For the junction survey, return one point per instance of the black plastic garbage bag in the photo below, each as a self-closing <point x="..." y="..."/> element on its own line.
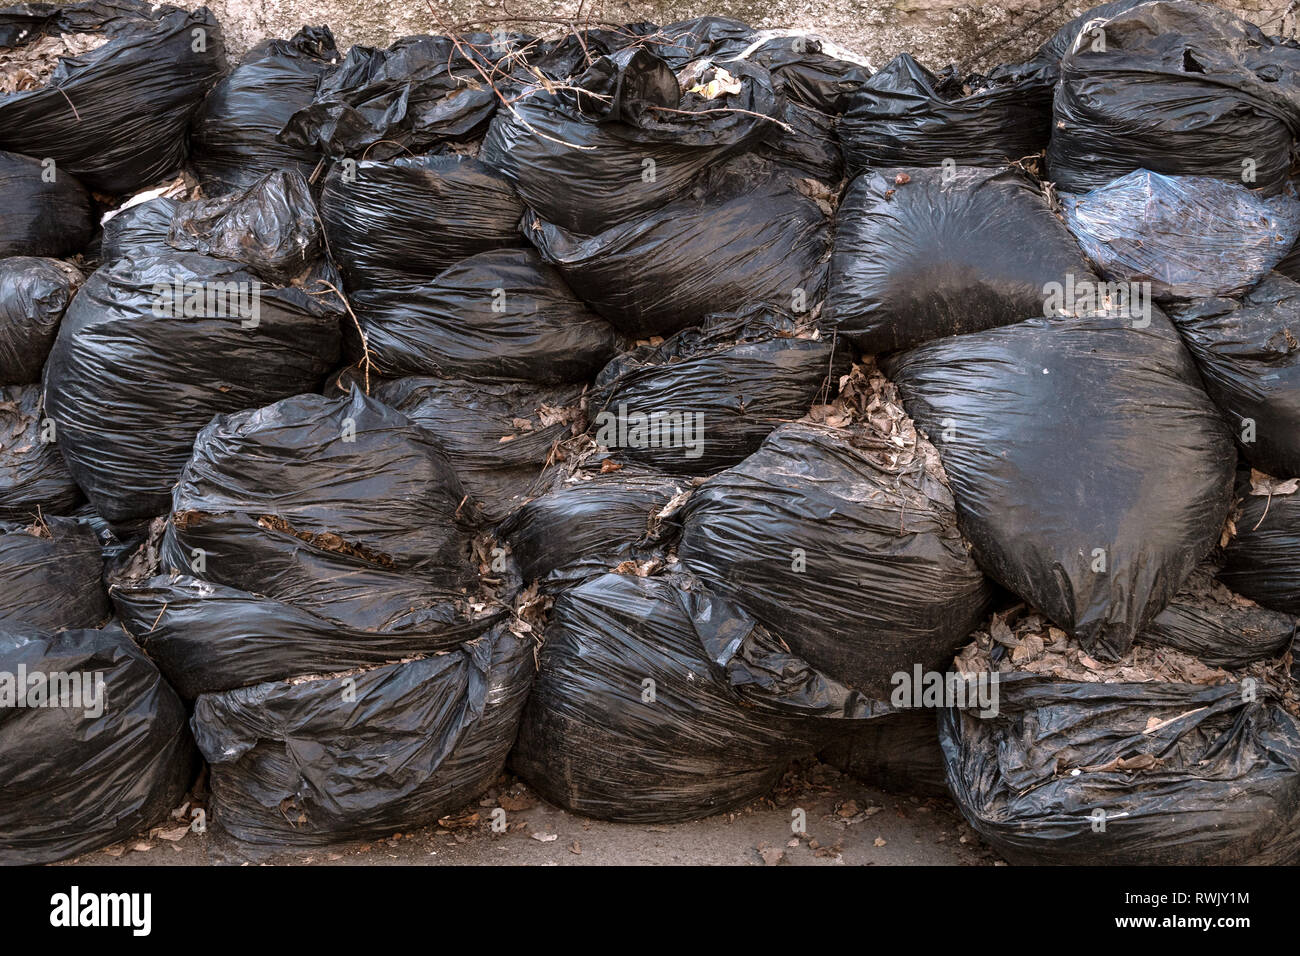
<point x="1128" y="774"/>
<point x="116" y="117"/>
<point x="504" y="314"/>
<point x="33" y="295"/>
<point x="1081" y="30"/>
<point x="410" y="219"/>
<point x="925" y="253"/>
<point x="34" y="479"/>
<point x="1180" y="88"/>
<point x="1262" y="561"/>
<point x="589" y="524"/>
<point x="645" y="712"/>
<point x="321" y="760"/>
<point x="51" y="575"/>
<point x="1223" y="629"/>
<point x="1248" y="351"/>
<point x="588" y="165"/>
<point x="420" y="92"/>
<point x="233" y="137"/>
<point x="747" y="237"/>
<point x="907" y="115"/>
<point x="356" y="558"/>
<point x="809" y="70"/>
<point x="1091" y="472"/>
<point x="130" y="381"/>
<point x="498" y="436"/>
<point x="897" y="752"/>
<point x="1187" y="236"/>
<point x="270" y="226"/>
<point x="46" y="210"/>
<point x="117" y="760"/>
<point x="808" y="145"/>
<point x="139" y="231"/>
<point x="708" y="396"/>
<point x="852" y="557"/>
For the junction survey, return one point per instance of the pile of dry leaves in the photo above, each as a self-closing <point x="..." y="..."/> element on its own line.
<point x="30" y="66"/>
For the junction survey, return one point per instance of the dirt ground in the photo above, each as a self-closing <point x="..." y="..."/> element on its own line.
<point x="847" y="823"/>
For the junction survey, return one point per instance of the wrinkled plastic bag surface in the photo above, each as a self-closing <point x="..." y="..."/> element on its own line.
<point x="33" y="294"/>
<point x="51" y="575"/>
<point x="41" y="217"/>
<point x="34" y="479"/>
<point x="1262" y="561"/>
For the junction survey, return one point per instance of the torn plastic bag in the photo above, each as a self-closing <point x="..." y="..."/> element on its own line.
<point x="412" y="218"/>
<point x="114" y="762"/>
<point x="808" y="69"/>
<point x="271" y="226"/>
<point x="33" y="295"/>
<point x="648" y="710"/>
<point x="42" y="216"/>
<point x="851" y="556"/>
<point x="152" y="348"/>
<point x="139" y="231"/>
<point x="320" y="760"/>
<point x="1100" y="539"/>
<point x="1180" y="88"/>
<point x="498" y="437"/>
<point x="115" y="117"/>
<point x="233" y="137"/>
<point x="1262" y="560"/>
<point x="420" y="92"/>
<point x="589" y="524"/>
<point x="504" y="314"/>
<point x="51" y="575"/>
<point x="628" y="140"/>
<point x="34" y="479"/>
<point x="897" y="752"/>
<point x="708" y="396"/>
<point x="1127" y="773"/>
<point x="747" y="237"/>
<point x="1223" y="629"/>
<point x="1188" y="236"/>
<point x="905" y="115"/>
<point x="1248" y="351"/>
<point x="926" y="253"/>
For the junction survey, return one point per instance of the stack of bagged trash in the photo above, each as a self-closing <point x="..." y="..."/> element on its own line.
<point x="644" y="409"/>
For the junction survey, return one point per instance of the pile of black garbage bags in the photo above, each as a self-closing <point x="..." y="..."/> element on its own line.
<point x="642" y="410"/>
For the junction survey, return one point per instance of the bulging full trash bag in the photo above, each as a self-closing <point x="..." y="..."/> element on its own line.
<point x="504" y="314"/>
<point x="809" y="70"/>
<point x="589" y="523"/>
<point x="628" y="138"/>
<point x="1180" y="88"/>
<point x="326" y="758"/>
<point x="1262" y="560"/>
<point x="270" y="226"/>
<point x="1248" y="351"/>
<point x="94" y="750"/>
<point x="309" y="536"/>
<point x="150" y="349"/>
<point x="659" y="702"/>
<point x="1157" y="759"/>
<point x="498" y="436"/>
<point x="708" y="396"/>
<point x="1220" y="628"/>
<point x="846" y="545"/>
<point x="139" y="230"/>
<point x="925" y="253"/>
<point x="51" y="575"/>
<point x="906" y="115"/>
<point x="1186" y="236"/>
<point x="33" y="295"/>
<point x="34" y="479"/>
<point x="1099" y="537"/>
<point x="116" y="115"/>
<point x="419" y="93"/>
<point x="46" y="210"/>
<point x="233" y="136"/>
<point x="747" y="237"/>
<point x="411" y="218"/>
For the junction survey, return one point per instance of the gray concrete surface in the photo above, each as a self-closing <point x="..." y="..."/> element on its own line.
<point x="848" y="823"/>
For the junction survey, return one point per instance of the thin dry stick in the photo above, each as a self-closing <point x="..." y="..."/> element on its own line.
<point x="74" y="109"/>
<point x="723" y="109"/>
<point x="365" y="343"/>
